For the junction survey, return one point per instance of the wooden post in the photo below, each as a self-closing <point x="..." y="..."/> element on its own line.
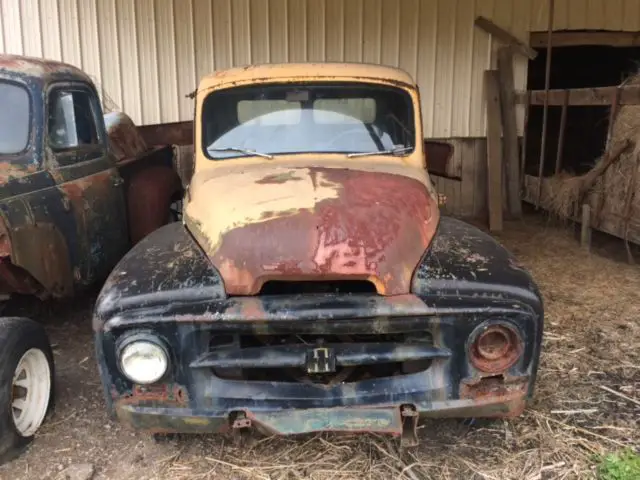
<point x="523" y="154"/>
<point x="510" y="132"/>
<point x="585" y="230"/>
<point x="545" y="113"/>
<point x="494" y="150"/>
<point x="563" y="127"/>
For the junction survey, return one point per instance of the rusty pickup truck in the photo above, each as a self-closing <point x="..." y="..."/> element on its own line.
<point x="313" y="284"/>
<point x="77" y="189"/>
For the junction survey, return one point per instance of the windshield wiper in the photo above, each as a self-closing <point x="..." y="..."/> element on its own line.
<point x="241" y="150"/>
<point x="392" y="151"/>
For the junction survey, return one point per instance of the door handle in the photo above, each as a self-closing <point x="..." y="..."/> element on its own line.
<point x="117" y="181"/>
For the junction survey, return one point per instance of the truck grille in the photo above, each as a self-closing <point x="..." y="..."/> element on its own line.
<point x="281" y="358"/>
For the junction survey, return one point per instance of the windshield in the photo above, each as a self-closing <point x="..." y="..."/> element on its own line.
<point x="307" y="118"/>
<point x="14" y="118"/>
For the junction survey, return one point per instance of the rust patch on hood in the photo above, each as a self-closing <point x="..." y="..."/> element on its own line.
<point x="266" y="222"/>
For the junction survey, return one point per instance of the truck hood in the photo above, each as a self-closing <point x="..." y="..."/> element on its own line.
<point x="264" y="222"/>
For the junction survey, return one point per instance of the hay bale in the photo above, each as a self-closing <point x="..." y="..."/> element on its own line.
<point x="613" y="174"/>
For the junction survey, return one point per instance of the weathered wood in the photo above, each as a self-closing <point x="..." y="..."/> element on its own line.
<point x="523" y="155"/>
<point x="494" y="150"/>
<point x="506" y="37"/>
<point x="480" y="197"/>
<point x="561" y="132"/>
<point x="509" y="131"/>
<point x="467" y="156"/>
<point x="545" y="114"/>
<point x="574" y="39"/>
<point x="585" y="229"/>
<point x="596" y="97"/>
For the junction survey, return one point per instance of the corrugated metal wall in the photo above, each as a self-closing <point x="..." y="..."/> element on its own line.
<point x="148" y="54"/>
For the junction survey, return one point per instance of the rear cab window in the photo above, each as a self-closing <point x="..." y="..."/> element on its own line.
<point x="15" y="118"/>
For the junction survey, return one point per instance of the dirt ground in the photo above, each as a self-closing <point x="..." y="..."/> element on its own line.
<point x="589" y="377"/>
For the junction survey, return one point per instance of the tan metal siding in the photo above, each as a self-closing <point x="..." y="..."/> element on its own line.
<point x="146" y="55"/>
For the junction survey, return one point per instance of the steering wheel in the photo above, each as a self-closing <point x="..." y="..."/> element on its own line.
<point x="352" y="131"/>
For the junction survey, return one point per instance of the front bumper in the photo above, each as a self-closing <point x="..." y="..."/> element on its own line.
<point x="194" y="399"/>
<point x="397" y="420"/>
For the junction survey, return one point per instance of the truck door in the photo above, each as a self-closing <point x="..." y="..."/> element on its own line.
<point x="87" y="177"/>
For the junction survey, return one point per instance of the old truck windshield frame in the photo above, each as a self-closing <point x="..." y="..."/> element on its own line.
<point x="15" y="118"/>
<point x="307" y="117"/>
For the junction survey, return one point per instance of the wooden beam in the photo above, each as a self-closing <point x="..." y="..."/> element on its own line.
<point x="561" y="132"/>
<point x="494" y="150"/>
<point x="505" y="37"/>
<point x="523" y="154"/>
<point x="574" y="39"/>
<point x="510" y="133"/>
<point x="600" y="96"/>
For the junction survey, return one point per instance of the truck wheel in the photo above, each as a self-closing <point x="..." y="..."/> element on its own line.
<point x="26" y="383"/>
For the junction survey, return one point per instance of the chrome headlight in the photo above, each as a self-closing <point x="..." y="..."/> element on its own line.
<point x="143" y="360"/>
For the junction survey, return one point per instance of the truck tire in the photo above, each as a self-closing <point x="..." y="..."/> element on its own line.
<point x="26" y="383"/>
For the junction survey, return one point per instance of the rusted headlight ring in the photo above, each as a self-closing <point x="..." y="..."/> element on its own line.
<point x="495" y="346"/>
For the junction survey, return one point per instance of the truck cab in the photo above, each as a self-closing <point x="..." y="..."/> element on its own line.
<point x="70" y="208"/>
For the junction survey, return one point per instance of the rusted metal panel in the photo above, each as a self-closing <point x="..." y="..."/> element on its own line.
<point x="149" y="195"/>
<point x="331" y="223"/>
<point x="439" y="156"/>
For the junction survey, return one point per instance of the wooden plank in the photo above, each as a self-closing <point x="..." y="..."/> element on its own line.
<point x="505" y="37"/>
<point x="561" y="132"/>
<point x="494" y="150"/>
<point x="599" y="96"/>
<point x="523" y="155"/>
<point x="480" y="175"/>
<point x="467" y="157"/>
<point x="510" y="133"/>
<point x="575" y="39"/>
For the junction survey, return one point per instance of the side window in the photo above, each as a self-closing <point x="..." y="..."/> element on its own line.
<point x="72" y="121"/>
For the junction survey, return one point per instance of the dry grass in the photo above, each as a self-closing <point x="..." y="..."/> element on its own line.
<point x="592" y="340"/>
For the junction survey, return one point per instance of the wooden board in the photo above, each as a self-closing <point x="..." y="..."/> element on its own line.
<point x="480" y="179"/>
<point x="600" y="96"/>
<point x="494" y="150"/>
<point x="511" y="154"/>
<point x="576" y="39"/>
<point x="506" y="37"/>
<point x="468" y="161"/>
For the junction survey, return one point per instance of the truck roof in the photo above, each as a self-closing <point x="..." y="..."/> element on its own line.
<point x="270" y="73"/>
<point x="19" y="66"/>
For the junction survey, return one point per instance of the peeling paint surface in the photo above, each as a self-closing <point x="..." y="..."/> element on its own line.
<point x="314" y="222"/>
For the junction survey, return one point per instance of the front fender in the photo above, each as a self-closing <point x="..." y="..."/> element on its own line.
<point x="165" y="267"/>
<point x="465" y="263"/>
